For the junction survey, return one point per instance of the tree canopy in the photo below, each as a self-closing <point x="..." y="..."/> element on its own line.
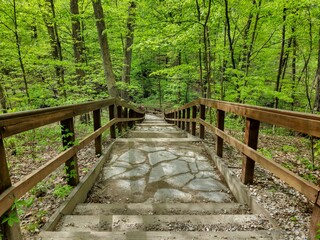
<point x="162" y="52"/>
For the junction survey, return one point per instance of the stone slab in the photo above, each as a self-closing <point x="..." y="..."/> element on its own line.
<point x="170" y="194"/>
<point x="165" y="170"/>
<point x="160" y="156"/>
<point x="206" y="184"/>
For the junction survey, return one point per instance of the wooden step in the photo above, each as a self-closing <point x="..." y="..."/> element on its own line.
<point x="124" y="223"/>
<point x="168" y="235"/>
<point x="160" y="208"/>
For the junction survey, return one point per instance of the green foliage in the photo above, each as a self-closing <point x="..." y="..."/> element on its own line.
<point x="318" y="232"/>
<point x="288" y="165"/>
<point x="310" y="177"/>
<point x="16" y="210"/>
<point x="62" y="191"/>
<point x="289" y="149"/>
<point x="266" y="152"/>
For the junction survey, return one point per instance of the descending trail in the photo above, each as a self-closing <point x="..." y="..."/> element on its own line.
<point x="160" y="183"/>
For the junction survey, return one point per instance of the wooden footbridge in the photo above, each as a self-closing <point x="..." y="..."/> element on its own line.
<point x="160" y="180"/>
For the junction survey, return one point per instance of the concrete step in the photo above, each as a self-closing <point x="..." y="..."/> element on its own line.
<point x="160" y="208"/>
<point x="158" y="140"/>
<point x="168" y="235"/>
<point x="146" y="124"/>
<point x="155" y="134"/>
<point x="124" y="223"/>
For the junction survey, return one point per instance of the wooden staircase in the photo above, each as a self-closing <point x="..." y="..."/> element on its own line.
<point x="143" y="215"/>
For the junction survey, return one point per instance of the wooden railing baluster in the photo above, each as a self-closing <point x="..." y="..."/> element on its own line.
<point x="68" y="140"/>
<point x="179" y="119"/>
<point x="10" y="232"/>
<point x="251" y="139"/>
<point x="97" y="125"/>
<point x="203" y="117"/>
<point x="220" y="125"/>
<point x="131" y="115"/>
<point x="194" y="124"/>
<point x="119" y="115"/>
<point x="183" y="126"/>
<point x="188" y="123"/>
<point x="111" y="116"/>
<point x="125" y="115"/>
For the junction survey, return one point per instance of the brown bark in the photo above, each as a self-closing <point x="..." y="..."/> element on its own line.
<point x="281" y="58"/>
<point x="317" y="101"/>
<point x="77" y="40"/>
<point x="127" y="59"/>
<point x="18" y="43"/>
<point x="206" y="89"/>
<point x="104" y="48"/>
<point x="56" y="51"/>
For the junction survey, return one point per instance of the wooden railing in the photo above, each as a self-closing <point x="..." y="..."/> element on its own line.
<point x="11" y="124"/>
<point x="300" y="122"/>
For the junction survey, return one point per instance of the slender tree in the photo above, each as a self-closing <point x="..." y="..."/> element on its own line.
<point x="127" y="58"/>
<point x="104" y="48"/>
<point x="77" y="40"/>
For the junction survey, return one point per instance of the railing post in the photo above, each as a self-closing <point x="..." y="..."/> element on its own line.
<point x="68" y="140"/>
<point x="96" y="126"/>
<point x="251" y="139"/>
<point x="194" y="124"/>
<point x="179" y="118"/>
<point x="9" y="232"/>
<point x="176" y="116"/>
<point x="131" y="115"/>
<point x="111" y="116"/>
<point x="220" y="125"/>
<point x="183" y="118"/>
<point x="125" y="115"/>
<point x="203" y="117"/>
<point x="188" y="117"/>
<point x="119" y="115"/>
<point x="315" y="220"/>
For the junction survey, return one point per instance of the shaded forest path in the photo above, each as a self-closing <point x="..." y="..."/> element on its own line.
<point x="160" y="182"/>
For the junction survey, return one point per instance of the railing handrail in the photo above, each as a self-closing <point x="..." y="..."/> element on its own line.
<point x="300" y="122"/>
<point x="13" y="123"/>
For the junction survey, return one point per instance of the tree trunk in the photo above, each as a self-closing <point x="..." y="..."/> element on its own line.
<point x="18" y="42"/>
<point x="127" y="60"/>
<point x="207" y="49"/>
<point x="293" y="66"/>
<point x="317" y="101"/>
<point x="281" y="58"/>
<point x="104" y="48"/>
<point x="55" y="43"/>
<point x="3" y="99"/>
<point x="202" y="86"/>
<point x="77" y="40"/>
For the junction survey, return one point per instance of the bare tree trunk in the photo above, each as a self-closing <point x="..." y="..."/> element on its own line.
<point x="317" y="100"/>
<point x="203" y="88"/>
<point x="281" y="58"/>
<point x="18" y="43"/>
<point x="56" y="51"/>
<point x="3" y="99"/>
<point x="77" y="40"/>
<point x="231" y="48"/>
<point x="104" y="48"/>
<point x="127" y="60"/>
<point x="293" y="66"/>
<point x="205" y="85"/>
<point x="207" y="50"/>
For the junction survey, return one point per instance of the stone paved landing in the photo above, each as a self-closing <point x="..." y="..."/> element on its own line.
<point x="153" y="171"/>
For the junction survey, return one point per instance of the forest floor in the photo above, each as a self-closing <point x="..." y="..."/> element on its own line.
<point x="289" y="208"/>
